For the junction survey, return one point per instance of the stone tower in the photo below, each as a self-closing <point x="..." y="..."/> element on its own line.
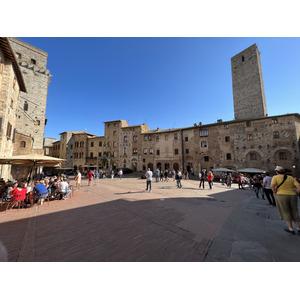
<point x="31" y="116"/>
<point x="248" y="86"/>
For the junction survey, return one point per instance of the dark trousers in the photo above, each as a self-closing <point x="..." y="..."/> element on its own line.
<point x="210" y="184"/>
<point x="270" y="196"/>
<point x="201" y="182"/>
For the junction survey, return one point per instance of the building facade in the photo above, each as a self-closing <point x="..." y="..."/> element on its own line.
<point x="11" y="85"/>
<point x="252" y="139"/>
<point x="31" y="114"/>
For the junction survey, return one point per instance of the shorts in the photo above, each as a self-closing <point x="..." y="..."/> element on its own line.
<point x="287" y="206"/>
<point x="90" y="179"/>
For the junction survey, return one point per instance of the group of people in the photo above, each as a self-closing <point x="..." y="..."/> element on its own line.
<point x="163" y="176"/>
<point x="209" y="176"/>
<point x="15" y="193"/>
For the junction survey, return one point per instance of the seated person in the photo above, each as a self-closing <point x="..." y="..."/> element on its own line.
<point x="18" y="193"/>
<point x="41" y="191"/>
<point x="63" y="189"/>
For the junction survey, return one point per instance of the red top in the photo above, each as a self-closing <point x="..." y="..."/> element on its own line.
<point x="18" y="195"/>
<point x="90" y="175"/>
<point x="209" y="177"/>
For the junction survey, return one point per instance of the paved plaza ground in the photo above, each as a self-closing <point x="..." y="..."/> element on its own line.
<point x="117" y="220"/>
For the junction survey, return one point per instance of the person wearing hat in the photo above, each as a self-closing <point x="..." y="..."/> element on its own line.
<point x="286" y="189"/>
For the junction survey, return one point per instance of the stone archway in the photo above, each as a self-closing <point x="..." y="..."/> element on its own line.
<point x="134" y="165"/>
<point x="176" y="166"/>
<point x="150" y="165"/>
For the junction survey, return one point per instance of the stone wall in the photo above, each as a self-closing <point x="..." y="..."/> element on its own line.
<point x="32" y="107"/>
<point x="9" y="101"/>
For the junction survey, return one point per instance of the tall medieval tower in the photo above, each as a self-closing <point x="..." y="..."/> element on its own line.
<point x="31" y="116"/>
<point x="248" y="86"/>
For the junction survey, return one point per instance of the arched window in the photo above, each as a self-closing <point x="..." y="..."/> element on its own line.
<point x="25" y="106"/>
<point x="23" y="144"/>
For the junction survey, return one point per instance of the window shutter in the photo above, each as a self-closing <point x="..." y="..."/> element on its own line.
<point x="14" y="134"/>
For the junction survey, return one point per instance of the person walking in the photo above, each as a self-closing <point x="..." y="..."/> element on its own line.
<point x="209" y="179"/>
<point x="267" y="189"/>
<point x="149" y="180"/>
<point x="120" y="173"/>
<point x="157" y="172"/>
<point x="229" y="180"/>
<point x="90" y="177"/>
<point x="240" y="181"/>
<point x="97" y="175"/>
<point x="223" y="177"/>
<point x="173" y="174"/>
<point x="166" y="175"/>
<point x="257" y="186"/>
<point x="161" y="176"/>
<point x="178" y="178"/>
<point x="202" y="177"/>
<point x="286" y="188"/>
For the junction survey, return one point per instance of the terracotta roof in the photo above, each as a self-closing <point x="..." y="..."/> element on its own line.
<point x="9" y="53"/>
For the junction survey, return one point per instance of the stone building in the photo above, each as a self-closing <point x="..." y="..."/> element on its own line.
<point x="11" y="85"/>
<point x="112" y="140"/>
<point x="247" y="85"/>
<point x="252" y="139"/>
<point x="48" y="146"/>
<point x="96" y="152"/>
<point x="131" y="146"/>
<point x="31" y="112"/>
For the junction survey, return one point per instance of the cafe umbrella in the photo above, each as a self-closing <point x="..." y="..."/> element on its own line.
<point x="34" y="160"/>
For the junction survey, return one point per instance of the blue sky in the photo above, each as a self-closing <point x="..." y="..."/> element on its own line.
<point x="164" y="82"/>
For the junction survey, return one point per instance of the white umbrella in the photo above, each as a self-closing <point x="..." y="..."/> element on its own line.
<point x="31" y="160"/>
<point x="34" y="160"/>
<point x="251" y="170"/>
<point x="222" y="170"/>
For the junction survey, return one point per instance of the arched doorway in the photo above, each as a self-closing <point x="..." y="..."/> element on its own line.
<point x="158" y="165"/>
<point x="176" y="166"/>
<point x="150" y="165"/>
<point x="134" y="165"/>
<point x="167" y="166"/>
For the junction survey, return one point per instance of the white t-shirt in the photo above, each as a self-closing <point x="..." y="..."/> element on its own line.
<point x="62" y="186"/>
<point x="78" y="177"/>
<point x="149" y="175"/>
